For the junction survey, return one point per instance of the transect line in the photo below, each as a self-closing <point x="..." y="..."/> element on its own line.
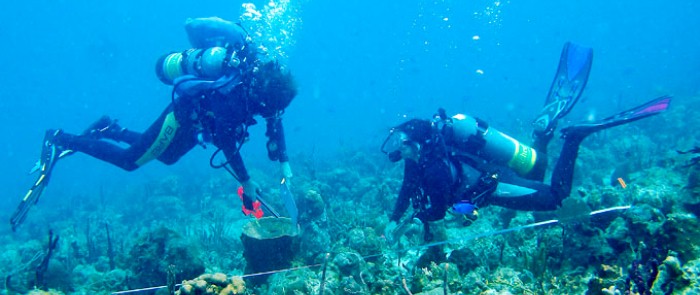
<point x="457" y="240"/>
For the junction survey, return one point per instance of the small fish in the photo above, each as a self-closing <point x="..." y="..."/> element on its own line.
<point x="465" y="208"/>
<point x="622" y="182"/>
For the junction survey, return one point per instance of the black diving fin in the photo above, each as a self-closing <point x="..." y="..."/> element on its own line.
<point x="50" y="154"/>
<point x="569" y="81"/>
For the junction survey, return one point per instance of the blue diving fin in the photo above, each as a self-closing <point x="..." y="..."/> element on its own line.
<point x="653" y="107"/>
<point x="569" y="81"/>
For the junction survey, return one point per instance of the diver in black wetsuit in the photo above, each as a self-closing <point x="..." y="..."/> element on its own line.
<point x="462" y="163"/>
<point x="219" y="86"/>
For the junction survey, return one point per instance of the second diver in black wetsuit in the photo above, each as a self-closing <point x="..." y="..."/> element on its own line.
<point x="462" y="163"/>
<point x="219" y="86"/>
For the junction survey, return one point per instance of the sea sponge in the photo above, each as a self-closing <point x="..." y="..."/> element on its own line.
<point x="212" y="289"/>
<point x="218" y="279"/>
<point x="185" y="289"/>
<point x="213" y="284"/>
<point x="42" y="292"/>
<point x="200" y="284"/>
<point x="238" y="285"/>
<point x="227" y="291"/>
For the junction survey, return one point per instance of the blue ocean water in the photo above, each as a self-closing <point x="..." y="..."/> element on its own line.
<point x="362" y="67"/>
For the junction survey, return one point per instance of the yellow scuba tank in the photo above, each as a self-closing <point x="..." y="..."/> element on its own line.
<point x="474" y="136"/>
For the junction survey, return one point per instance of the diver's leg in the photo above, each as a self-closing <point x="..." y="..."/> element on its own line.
<point x="121" y="157"/>
<point x="105" y="127"/>
<point x="524" y="194"/>
<point x="512" y="191"/>
<point x="91" y="144"/>
<point x="563" y="174"/>
<point x="155" y="141"/>
<point x="540" y="167"/>
<point x="507" y="189"/>
<point x="184" y="140"/>
<point x="128" y="136"/>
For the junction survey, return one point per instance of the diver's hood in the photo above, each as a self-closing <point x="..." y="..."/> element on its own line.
<point x="271" y="88"/>
<point x="416" y="130"/>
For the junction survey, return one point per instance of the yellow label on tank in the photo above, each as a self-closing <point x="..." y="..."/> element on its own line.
<point x="523" y="159"/>
<point x="171" y="66"/>
<point x="165" y="137"/>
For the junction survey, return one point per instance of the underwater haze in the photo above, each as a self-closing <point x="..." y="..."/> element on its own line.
<point x="362" y="67"/>
<point x="69" y="62"/>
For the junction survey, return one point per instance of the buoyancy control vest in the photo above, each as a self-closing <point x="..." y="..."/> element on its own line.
<point x="478" y="155"/>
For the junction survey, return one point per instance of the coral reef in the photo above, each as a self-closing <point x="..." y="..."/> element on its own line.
<point x="154" y="251"/>
<point x="194" y="226"/>
<point x="214" y="284"/>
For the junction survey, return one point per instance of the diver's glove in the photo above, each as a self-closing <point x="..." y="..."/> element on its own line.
<point x="286" y="170"/>
<point x="250" y="191"/>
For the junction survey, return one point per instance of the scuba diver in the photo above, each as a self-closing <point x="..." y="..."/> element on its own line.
<point x="219" y="86"/>
<point x="462" y="163"/>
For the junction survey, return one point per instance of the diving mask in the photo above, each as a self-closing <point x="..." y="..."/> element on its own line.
<point x="396" y="144"/>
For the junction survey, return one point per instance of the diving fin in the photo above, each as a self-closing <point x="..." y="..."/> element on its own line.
<point x="50" y="153"/>
<point x="569" y="81"/>
<point x="653" y="107"/>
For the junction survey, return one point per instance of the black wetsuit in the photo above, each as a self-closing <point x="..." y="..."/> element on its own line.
<point x="223" y="118"/>
<point x="427" y="185"/>
<point x="439" y="179"/>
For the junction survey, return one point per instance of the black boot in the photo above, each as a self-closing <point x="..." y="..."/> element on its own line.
<point x="51" y="150"/>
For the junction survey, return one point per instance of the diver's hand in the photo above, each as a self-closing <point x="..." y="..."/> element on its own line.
<point x="250" y="191"/>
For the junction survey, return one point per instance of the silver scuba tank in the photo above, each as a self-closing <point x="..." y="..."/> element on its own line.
<point x="207" y="63"/>
<point x="474" y="136"/>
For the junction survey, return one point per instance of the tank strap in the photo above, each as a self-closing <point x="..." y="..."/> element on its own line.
<point x="477" y="140"/>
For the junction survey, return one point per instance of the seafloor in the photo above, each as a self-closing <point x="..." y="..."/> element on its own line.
<point x="174" y="231"/>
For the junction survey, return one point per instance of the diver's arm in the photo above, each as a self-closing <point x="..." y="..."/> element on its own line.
<point x="276" y="145"/>
<point x="250" y="188"/>
<point x="410" y="187"/>
<point x="236" y="162"/>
